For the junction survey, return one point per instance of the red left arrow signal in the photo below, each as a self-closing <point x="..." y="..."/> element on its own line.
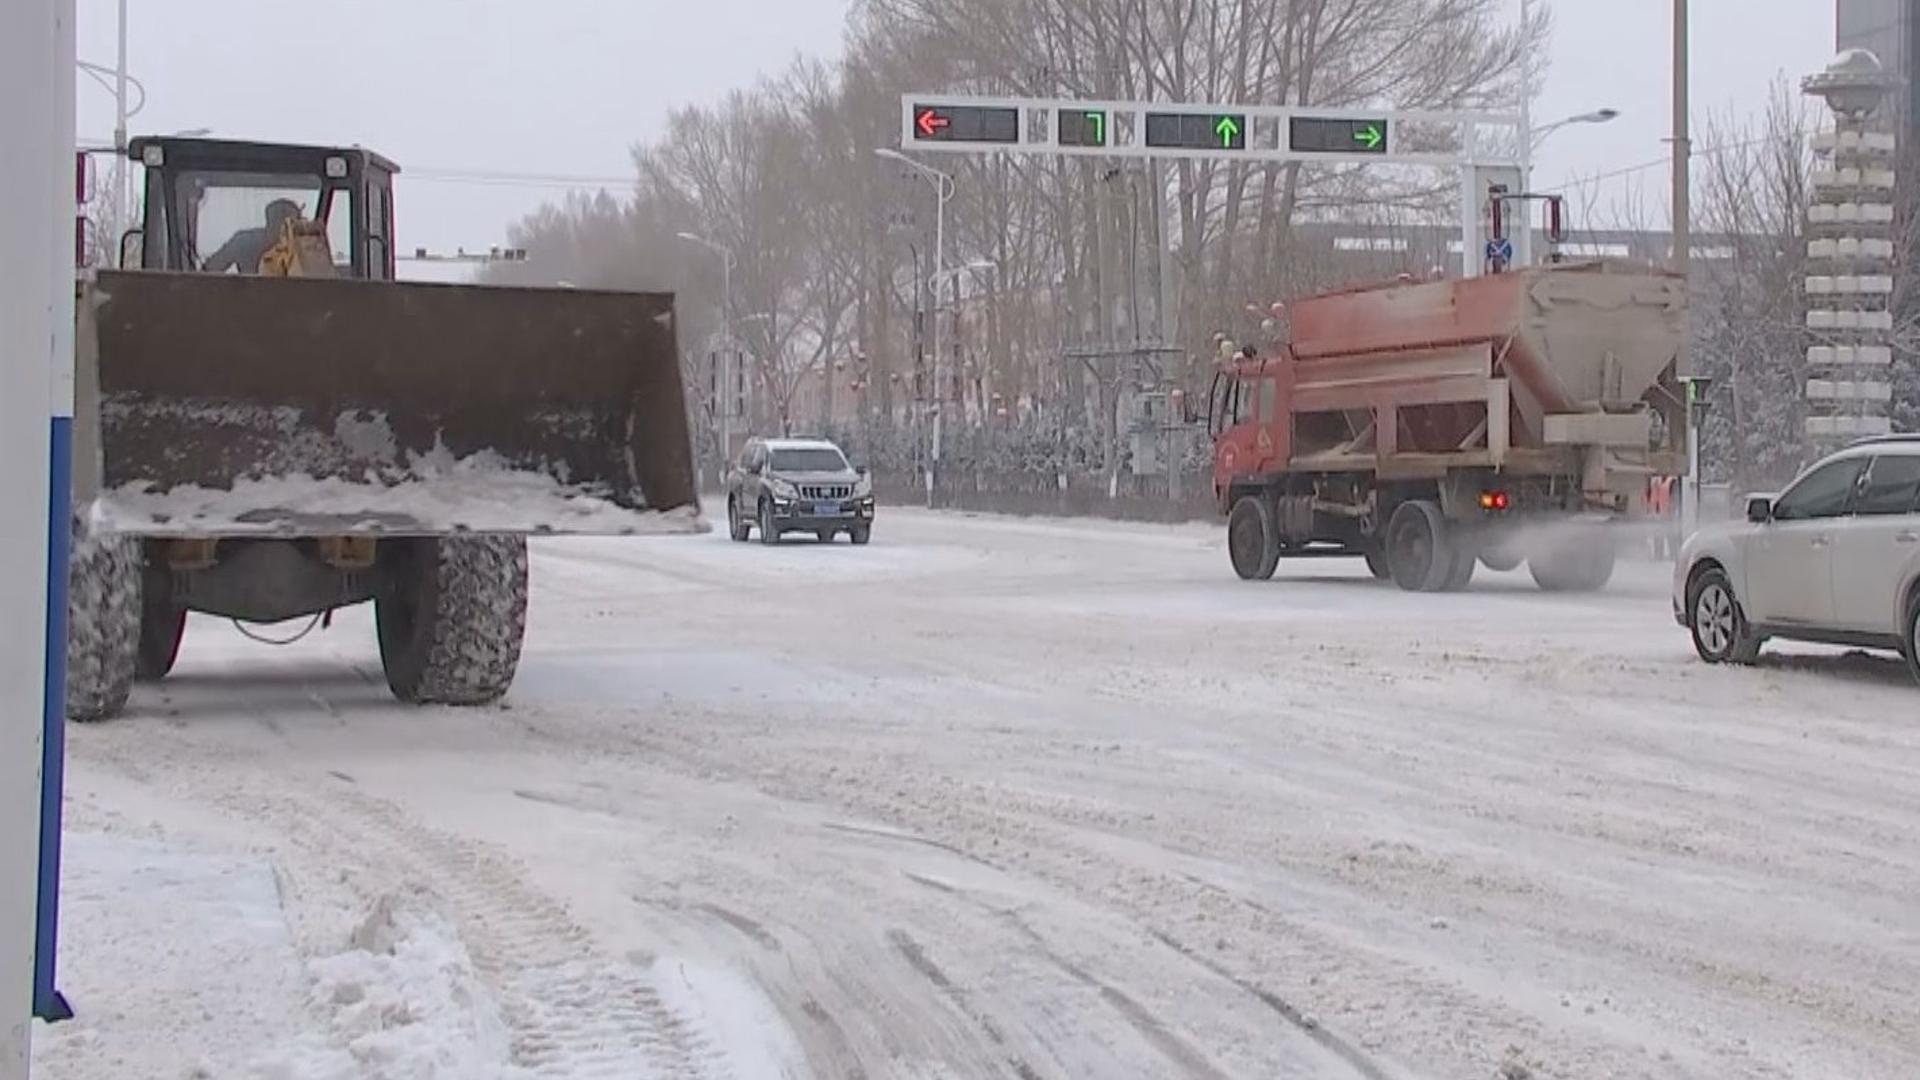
<point x="930" y="123"/>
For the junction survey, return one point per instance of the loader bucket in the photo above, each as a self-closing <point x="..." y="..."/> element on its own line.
<point x="223" y="405"/>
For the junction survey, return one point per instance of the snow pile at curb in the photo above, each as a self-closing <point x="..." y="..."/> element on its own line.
<point x="403" y="1002"/>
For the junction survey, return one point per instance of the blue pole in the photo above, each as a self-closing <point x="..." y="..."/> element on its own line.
<point x="48" y="1003"/>
<point x="65" y="261"/>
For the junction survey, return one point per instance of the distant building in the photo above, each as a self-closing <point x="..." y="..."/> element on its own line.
<point x="1891" y="28"/>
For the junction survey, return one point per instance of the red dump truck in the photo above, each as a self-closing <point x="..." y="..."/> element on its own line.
<point x="1432" y="426"/>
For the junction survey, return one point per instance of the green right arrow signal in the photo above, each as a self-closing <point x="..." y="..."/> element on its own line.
<point x="1226" y="127"/>
<point x="1369" y="136"/>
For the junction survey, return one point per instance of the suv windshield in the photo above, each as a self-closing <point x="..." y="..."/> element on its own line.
<point x="809" y="459"/>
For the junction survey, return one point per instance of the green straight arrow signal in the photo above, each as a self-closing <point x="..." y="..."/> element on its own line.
<point x="1369" y="136"/>
<point x="1226" y="128"/>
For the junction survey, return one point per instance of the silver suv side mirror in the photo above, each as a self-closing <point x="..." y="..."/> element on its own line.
<point x="1759" y="510"/>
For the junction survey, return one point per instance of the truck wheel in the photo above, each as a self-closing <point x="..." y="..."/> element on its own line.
<point x="1420" y="547"/>
<point x="162" y="624"/>
<point x="1578" y="565"/>
<point x="1465" y="561"/>
<point x="1377" y="564"/>
<point x="1253" y="541"/>
<point x="103" y="624"/>
<point x="1501" y="559"/>
<point x="768" y="533"/>
<point x="451" y="618"/>
<point x="737" y="527"/>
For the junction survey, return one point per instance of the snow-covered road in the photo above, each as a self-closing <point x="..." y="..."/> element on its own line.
<point x="1005" y="798"/>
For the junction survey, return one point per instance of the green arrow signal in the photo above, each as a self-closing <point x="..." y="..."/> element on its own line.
<point x="1099" y="121"/>
<point x="1226" y="127"/>
<point x="1369" y="136"/>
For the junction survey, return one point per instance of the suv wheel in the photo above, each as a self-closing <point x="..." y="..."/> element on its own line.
<point x="737" y="527"/>
<point x="1720" y="631"/>
<point x="1913" y="636"/>
<point x="768" y="533"/>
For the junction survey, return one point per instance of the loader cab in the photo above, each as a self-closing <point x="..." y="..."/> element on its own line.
<point x="200" y="194"/>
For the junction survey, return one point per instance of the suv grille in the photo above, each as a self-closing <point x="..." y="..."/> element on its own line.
<point x="826" y="491"/>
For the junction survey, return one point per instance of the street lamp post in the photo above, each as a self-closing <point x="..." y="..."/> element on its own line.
<point x="1531" y="137"/>
<point x="942" y="191"/>
<point x="727" y="363"/>
<point x="939" y="401"/>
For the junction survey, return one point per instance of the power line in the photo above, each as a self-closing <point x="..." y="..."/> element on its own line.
<point x="523" y="180"/>
<point x="1657" y="163"/>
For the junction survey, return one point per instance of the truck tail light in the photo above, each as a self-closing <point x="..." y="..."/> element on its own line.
<point x="1494" y="500"/>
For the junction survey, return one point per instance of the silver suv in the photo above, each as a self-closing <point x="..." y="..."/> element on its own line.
<point x="798" y="485"/>
<point x="1834" y="559"/>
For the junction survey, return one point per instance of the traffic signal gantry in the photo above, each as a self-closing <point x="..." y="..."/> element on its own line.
<point x="1482" y="148"/>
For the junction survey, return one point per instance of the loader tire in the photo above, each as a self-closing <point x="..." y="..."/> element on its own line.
<point x="103" y="624"/>
<point x="162" y="625"/>
<point x="451" y="618"/>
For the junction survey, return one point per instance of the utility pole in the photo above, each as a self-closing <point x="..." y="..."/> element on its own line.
<point x="942" y="191"/>
<point x="1683" y="250"/>
<point x="1682" y="152"/>
<point x="122" y="171"/>
<point x="1523" y="234"/>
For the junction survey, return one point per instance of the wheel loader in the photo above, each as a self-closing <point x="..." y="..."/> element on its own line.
<point x="269" y="427"/>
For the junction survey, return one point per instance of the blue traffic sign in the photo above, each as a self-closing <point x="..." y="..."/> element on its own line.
<point x="1501" y="249"/>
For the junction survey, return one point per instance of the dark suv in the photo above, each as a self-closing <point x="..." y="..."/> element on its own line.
<point x="798" y="485"/>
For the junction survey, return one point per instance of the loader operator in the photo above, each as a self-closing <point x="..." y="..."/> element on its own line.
<point x="243" y="249"/>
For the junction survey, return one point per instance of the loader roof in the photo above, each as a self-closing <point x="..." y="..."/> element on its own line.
<point x="229" y="154"/>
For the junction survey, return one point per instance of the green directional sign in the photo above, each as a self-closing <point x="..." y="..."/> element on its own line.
<point x="1197" y="131"/>
<point x="1336" y="135"/>
<point x="1082" y="127"/>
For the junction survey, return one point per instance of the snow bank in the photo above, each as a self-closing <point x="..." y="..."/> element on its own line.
<point x="179" y="963"/>
<point x="403" y="1002"/>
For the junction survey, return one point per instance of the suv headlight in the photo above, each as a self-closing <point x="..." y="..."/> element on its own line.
<point x="783" y="489"/>
<point x="863" y="487"/>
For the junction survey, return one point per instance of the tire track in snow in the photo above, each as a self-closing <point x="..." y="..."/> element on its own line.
<point x="573" y="1014"/>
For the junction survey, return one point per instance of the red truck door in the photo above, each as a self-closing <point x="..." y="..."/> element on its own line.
<point x="1273" y="427"/>
<point x="1232" y="439"/>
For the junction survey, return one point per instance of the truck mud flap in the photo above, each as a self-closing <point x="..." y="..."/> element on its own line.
<point x="230" y="405"/>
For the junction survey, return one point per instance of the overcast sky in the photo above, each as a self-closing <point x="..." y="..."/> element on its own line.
<point x="564" y="87"/>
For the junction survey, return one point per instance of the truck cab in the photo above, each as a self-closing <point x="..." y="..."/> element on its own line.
<point x="201" y="193"/>
<point x="1251" y="431"/>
